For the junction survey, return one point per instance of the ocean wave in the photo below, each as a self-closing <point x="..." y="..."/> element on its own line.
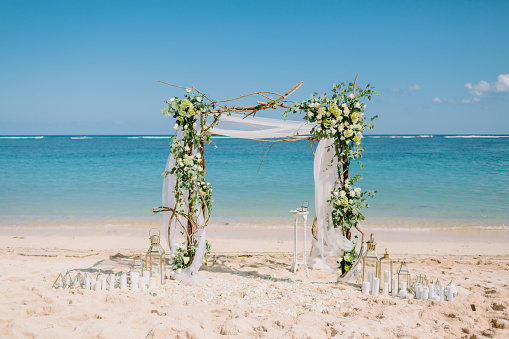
<point x="80" y="138"/>
<point x="476" y="136"/>
<point x="152" y="137"/>
<point x="41" y="137"/>
<point x="133" y="137"/>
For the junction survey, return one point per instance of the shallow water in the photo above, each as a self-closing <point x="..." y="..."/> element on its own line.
<point x="422" y="181"/>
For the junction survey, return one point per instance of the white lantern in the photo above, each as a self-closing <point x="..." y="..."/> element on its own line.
<point x="155" y="259"/>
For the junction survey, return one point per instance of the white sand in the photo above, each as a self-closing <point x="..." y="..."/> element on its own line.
<point x="249" y="291"/>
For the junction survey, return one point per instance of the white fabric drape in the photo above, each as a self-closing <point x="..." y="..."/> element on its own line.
<point x="259" y="128"/>
<point x="330" y="240"/>
<point x="189" y="275"/>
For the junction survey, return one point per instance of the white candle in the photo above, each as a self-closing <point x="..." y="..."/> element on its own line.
<point x="376" y="287"/>
<point x="403" y="285"/>
<point x="418" y="292"/>
<point x="97" y="286"/>
<point x="146" y="275"/>
<point x="386" y="289"/>
<point x="387" y="276"/>
<point x="402" y="294"/>
<point x="142" y="282"/>
<point x="112" y="282"/>
<point x="409" y="296"/>
<point x="104" y="285"/>
<point x="144" y="289"/>
<point x="87" y="283"/>
<point x="153" y="282"/>
<point x="365" y="287"/>
<point x="394" y="287"/>
<point x="450" y="293"/>
<point x="134" y="286"/>
<point x="425" y="293"/>
<point x="92" y="284"/>
<point x="123" y="281"/>
<point x="370" y="278"/>
<point x="431" y="291"/>
<point x="441" y="292"/>
<point x="158" y="279"/>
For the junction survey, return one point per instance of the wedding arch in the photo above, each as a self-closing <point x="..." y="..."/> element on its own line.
<point x="335" y="121"/>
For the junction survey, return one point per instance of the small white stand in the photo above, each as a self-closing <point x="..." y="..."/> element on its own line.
<point x="296" y="262"/>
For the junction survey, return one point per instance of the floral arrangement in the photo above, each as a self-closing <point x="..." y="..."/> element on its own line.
<point x="184" y="255"/>
<point x="189" y="168"/>
<point x="341" y="117"/>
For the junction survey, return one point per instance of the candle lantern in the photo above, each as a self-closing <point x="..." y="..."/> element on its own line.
<point x="155" y="257"/>
<point x="137" y="264"/>
<point x="79" y="281"/>
<point x="386" y="269"/>
<point x="370" y="261"/>
<point x="421" y="279"/>
<point x="403" y="275"/>
<point x="67" y="280"/>
<point x="59" y="283"/>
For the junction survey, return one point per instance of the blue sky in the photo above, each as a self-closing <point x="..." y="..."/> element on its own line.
<point x="91" y="67"/>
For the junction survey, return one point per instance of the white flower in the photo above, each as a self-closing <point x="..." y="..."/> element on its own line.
<point x="346" y="111"/>
<point x="340" y="127"/>
<point x="188" y="90"/>
<point x="350" y="201"/>
<point x="354" y="212"/>
<point x="186" y="260"/>
<point x="352" y="193"/>
<point x="342" y="137"/>
<point x="310" y="114"/>
<point x="357" y="105"/>
<point x="318" y="129"/>
<point x="357" y="189"/>
<point x="333" y="123"/>
<point x="185" y="127"/>
<point x="364" y="106"/>
<point x="198" y="155"/>
<point x="198" y="99"/>
<point x="195" y="167"/>
<point x="344" y="105"/>
<point x="200" y="168"/>
<point x="346" y="183"/>
<point x="327" y="114"/>
<point x="351" y="96"/>
<point x="176" y="126"/>
<point x="178" y="270"/>
<point x="171" y="100"/>
<point x="319" y="117"/>
<point x="346" y="123"/>
<point x="335" y="193"/>
<point x="342" y="194"/>
<point x="194" y="125"/>
<point x="186" y="149"/>
<point x="345" y="209"/>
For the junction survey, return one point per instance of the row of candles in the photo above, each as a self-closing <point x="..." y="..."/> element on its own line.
<point x="141" y="276"/>
<point x="104" y="282"/>
<point x="402" y="286"/>
<point x="436" y="292"/>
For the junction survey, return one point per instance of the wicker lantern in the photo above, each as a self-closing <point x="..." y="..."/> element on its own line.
<point x="370" y="261"/>
<point x="155" y="258"/>
<point x="387" y="270"/>
<point x="403" y="276"/>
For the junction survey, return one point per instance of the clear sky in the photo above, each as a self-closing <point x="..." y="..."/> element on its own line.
<point x="90" y="67"/>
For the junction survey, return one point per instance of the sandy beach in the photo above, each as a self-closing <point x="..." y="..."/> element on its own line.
<point x="249" y="290"/>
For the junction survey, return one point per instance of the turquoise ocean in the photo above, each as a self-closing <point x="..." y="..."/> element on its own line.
<point x="423" y="181"/>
